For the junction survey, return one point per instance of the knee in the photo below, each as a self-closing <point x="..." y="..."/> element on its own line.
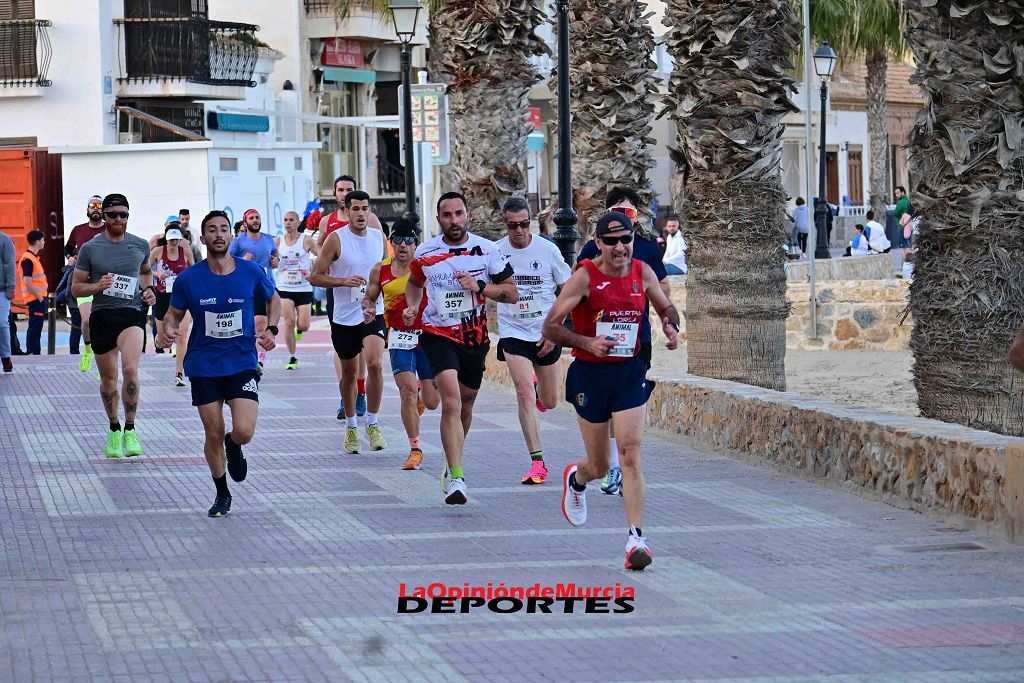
<point x="130" y="372"/>
<point x="373" y="364"/>
<point x="451" y="405"/>
<point x="408" y="395"/>
<point x="629" y="457"/>
<point x="242" y="434"/>
<point x="525" y="395"/>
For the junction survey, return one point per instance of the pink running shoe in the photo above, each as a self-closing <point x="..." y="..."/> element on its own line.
<point x="537" y="474"/>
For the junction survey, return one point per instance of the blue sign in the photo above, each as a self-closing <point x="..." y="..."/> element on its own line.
<point x="248" y="123"/>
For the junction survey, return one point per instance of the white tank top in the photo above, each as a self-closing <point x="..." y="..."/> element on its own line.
<point x="294" y="266"/>
<point x="358" y="257"/>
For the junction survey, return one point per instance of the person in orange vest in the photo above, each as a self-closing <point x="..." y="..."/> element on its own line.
<point x="33" y="291"/>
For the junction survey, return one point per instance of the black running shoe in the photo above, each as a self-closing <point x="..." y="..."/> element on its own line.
<point x="221" y="506"/>
<point x="237" y="466"/>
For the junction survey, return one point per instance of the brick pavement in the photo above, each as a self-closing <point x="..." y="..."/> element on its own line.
<point x="112" y="571"/>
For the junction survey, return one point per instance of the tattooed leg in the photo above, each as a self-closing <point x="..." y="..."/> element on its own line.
<point x="107" y="365"/>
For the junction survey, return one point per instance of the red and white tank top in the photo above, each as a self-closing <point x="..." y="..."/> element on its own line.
<point x="333" y="223"/>
<point x="172" y="268"/>
<point x="614" y="307"/>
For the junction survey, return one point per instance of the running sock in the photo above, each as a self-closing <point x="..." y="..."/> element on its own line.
<point x="129" y="425"/>
<point x="576" y="487"/>
<point x="88" y="346"/>
<point x="614" y="460"/>
<point x="222" y="482"/>
<point x="414" y="442"/>
<point x="371" y="419"/>
<point x="115" y="426"/>
<point x="537" y="455"/>
<point x="361" y="385"/>
<point x="456" y="472"/>
<point x="635" y="531"/>
<point x="349" y="421"/>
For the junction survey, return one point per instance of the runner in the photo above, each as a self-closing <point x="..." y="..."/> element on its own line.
<point x="253" y="245"/>
<point x="532" y="360"/>
<point x="455" y="268"/>
<point x="221" y="292"/>
<point x="408" y="361"/>
<point x="114" y="269"/>
<point x="80" y="234"/>
<point x="335" y="220"/>
<point x="344" y="264"/>
<point x="293" y="285"/>
<point x="606" y="382"/>
<point x="168" y="262"/>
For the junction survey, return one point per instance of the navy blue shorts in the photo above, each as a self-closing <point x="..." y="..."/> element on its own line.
<point x="244" y="384"/>
<point x="596" y="390"/>
<point x="411" y="360"/>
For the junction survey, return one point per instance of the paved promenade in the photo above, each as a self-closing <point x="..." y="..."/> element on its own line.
<point x="111" y="570"/>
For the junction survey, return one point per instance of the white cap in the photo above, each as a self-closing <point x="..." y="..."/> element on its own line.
<point x="173" y="234"/>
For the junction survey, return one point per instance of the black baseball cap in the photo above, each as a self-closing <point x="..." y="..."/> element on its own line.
<point x="612" y="217"/>
<point x="115" y="200"/>
<point x="403" y="228"/>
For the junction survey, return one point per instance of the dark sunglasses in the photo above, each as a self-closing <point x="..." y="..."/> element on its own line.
<point x="612" y="241"/>
<point x="522" y="225"/>
<point x="403" y="240"/>
<point x="116" y="214"/>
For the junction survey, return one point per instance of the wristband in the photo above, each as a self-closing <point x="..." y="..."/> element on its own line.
<point x="153" y="288"/>
<point x="482" y="284"/>
<point x="674" y="326"/>
<point x="272" y="329"/>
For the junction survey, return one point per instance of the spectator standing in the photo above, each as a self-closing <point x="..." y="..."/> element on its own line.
<point x="675" y="248"/>
<point x="34" y="290"/>
<point x="801" y="224"/>
<point x="8" y="283"/>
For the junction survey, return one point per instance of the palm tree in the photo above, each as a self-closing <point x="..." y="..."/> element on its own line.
<point x="967" y="155"/>
<point x="870" y="30"/>
<point x="728" y="93"/>
<point x="611" y="77"/>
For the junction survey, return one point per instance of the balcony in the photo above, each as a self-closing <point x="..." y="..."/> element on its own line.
<point x="361" y="23"/>
<point x="326" y="7"/>
<point x="185" y="57"/>
<point x="24" y="53"/>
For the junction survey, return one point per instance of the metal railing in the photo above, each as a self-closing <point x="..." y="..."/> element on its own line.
<point x="390" y="177"/>
<point x="25" y="52"/>
<point x="159" y="122"/>
<point x="327" y="7"/>
<point x="195" y="50"/>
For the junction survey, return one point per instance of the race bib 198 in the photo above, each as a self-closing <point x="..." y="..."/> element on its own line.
<point x="403" y="340"/>
<point x="224" y="325"/>
<point x="527" y="307"/>
<point x="455" y="304"/>
<point x="124" y="287"/>
<point x="624" y="335"/>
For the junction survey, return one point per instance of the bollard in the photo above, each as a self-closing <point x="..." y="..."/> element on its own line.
<point x="51" y="333"/>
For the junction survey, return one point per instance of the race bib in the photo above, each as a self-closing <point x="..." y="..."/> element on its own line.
<point x="224" y="325"/>
<point x="124" y="287"/>
<point x="403" y="340"/>
<point x="358" y="293"/>
<point x="293" y="277"/>
<point x="169" y="283"/>
<point x="455" y="304"/>
<point x="624" y="335"/>
<point x="527" y="307"/>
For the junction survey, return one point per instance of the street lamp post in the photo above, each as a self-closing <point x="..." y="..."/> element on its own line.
<point x="566" y="234"/>
<point x="404" y="13"/>
<point x="824" y="64"/>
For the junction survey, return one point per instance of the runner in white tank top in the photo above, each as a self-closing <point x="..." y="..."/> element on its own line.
<point x="292" y="274"/>
<point x="344" y="264"/>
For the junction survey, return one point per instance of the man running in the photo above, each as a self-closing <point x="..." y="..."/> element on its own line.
<point x="293" y="250"/>
<point x="344" y="263"/>
<point x="459" y="270"/>
<point x="113" y="268"/>
<point x="168" y="262"/>
<point x="80" y="234"/>
<point x="253" y="245"/>
<point x="539" y="272"/>
<point x="606" y="383"/>
<point x="221" y="292"/>
<point x="408" y="361"/>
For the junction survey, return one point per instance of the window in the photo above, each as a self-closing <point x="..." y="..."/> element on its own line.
<point x="229" y="163"/>
<point x="19" y="38"/>
<point x="266" y="163"/>
<point x="298" y="163"/>
<point x="338" y="143"/>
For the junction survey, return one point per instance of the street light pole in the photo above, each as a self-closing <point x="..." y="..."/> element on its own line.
<point x="566" y="234"/>
<point x="821" y="210"/>
<point x="410" y="160"/>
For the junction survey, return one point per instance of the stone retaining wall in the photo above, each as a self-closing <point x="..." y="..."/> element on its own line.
<point x="911" y="462"/>
<point x="871" y="267"/>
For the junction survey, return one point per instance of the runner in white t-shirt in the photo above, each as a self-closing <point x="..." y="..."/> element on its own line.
<point x="539" y="272"/>
<point x="293" y="268"/>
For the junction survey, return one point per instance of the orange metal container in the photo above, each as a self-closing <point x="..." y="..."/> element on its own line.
<point x="31" y="198"/>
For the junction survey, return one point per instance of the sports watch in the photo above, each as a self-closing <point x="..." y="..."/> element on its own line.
<point x="272" y="329"/>
<point x="482" y="284"/>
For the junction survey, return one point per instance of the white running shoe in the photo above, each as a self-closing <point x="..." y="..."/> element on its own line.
<point x="638" y="555"/>
<point x="456" y="493"/>
<point x="574" y="503"/>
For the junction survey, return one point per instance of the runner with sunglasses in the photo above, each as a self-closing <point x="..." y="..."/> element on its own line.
<point x="114" y="269"/>
<point x="625" y="201"/>
<point x="607" y="298"/>
<point x="539" y="273"/>
<point x="409" y="365"/>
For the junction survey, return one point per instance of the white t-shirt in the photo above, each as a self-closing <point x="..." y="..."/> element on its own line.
<point x="675" y="251"/>
<point x="537" y="270"/>
<point x="877" y="238"/>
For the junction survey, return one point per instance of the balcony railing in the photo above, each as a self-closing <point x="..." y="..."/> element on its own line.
<point x="159" y="122"/>
<point x="195" y="50"/>
<point x="326" y="8"/>
<point x="24" y="53"/>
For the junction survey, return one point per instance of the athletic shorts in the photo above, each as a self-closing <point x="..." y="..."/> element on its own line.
<point x="259" y="305"/>
<point x="300" y="298"/>
<point x="243" y="384"/>
<point x="163" y="302"/>
<point x="646" y="353"/>
<point x="83" y="300"/>
<point x="411" y="360"/>
<point x="467" y="361"/>
<point x="107" y="324"/>
<point x="510" y="346"/>
<point x="597" y="390"/>
<point x="348" y="339"/>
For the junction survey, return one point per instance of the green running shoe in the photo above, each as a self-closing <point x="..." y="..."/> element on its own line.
<point x="132" y="447"/>
<point x="376" y="438"/>
<point x="351" y="440"/>
<point x="115" y="444"/>
<point x="86" y="361"/>
<point x="298" y="334"/>
<point x="292" y="364"/>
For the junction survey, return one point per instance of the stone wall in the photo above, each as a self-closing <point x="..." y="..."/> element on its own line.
<point x="906" y="461"/>
<point x="870" y="267"/>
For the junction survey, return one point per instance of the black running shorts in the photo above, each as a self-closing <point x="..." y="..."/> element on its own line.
<point x="348" y="339"/>
<point x="244" y="384"/>
<point x="510" y="346"/>
<point x="445" y="354"/>
<point x="300" y="298"/>
<point x="107" y="324"/>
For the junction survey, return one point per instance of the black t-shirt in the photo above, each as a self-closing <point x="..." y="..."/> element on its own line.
<point x="26" y="268"/>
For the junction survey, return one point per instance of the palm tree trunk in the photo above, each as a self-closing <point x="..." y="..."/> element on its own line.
<point x="878" y="182"/>
<point x="728" y="93"/>
<point x="611" y="77"/>
<point x="967" y="297"/>
<point x="486" y="49"/>
<point x="448" y="180"/>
